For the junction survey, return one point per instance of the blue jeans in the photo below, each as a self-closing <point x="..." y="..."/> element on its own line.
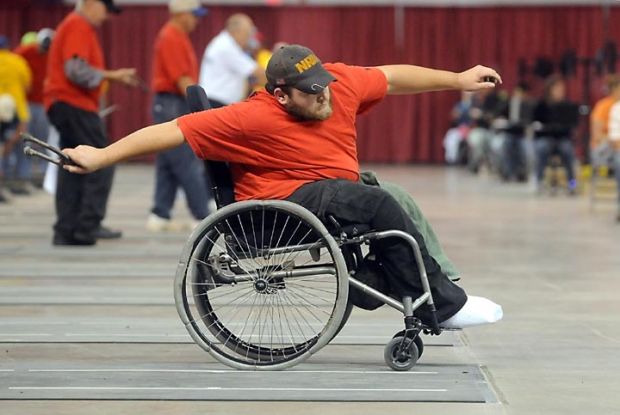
<point x="178" y="167"/>
<point x="514" y="161"/>
<point x="39" y="127"/>
<point x="545" y="147"/>
<point x="15" y="165"/>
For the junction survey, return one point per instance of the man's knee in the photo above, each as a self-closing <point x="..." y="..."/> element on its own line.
<point x="390" y="214"/>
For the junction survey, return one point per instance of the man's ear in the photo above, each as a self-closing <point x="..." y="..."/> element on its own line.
<point x="281" y="96"/>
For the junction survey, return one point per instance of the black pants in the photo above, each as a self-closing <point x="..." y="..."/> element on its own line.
<point x="81" y="200"/>
<point x="351" y="202"/>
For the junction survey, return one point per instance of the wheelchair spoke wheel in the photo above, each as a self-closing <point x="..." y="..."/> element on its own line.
<point x="261" y="285"/>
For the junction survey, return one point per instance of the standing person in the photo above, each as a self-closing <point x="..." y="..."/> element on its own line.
<point x="7" y="138"/>
<point x="605" y="133"/>
<point x="36" y="54"/>
<point x="75" y="72"/>
<point x="175" y="67"/>
<point x="297" y="141"/>
<point x="226" y="65"/>
<point x="614" y="144"/>
<point x="15" y="80"/>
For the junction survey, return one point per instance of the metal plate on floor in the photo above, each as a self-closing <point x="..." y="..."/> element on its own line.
<point x="306" y="382"/>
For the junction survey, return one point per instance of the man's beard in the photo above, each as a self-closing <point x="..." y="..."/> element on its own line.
<point x="303" y="114"/>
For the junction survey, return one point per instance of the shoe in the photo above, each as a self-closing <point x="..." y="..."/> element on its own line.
<point x="103" y="232"/>
<point x="19" y="189"/>
<point x="572" y="187"/>
<point x="476" y="311"/>
<point x="37" y="183"/>
<point x="158" y="224"/>
<point x="3" y="198"/>
<point x="521" y="178"/>
<point x="618" y="217"/>
<point x="76" y="240"/>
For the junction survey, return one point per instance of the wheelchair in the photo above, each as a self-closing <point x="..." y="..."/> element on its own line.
<point x="265" y="284"/>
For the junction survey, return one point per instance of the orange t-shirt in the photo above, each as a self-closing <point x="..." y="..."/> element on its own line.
<point x="174" y="57"/>
<point x="601" y="112"/>
<point x="271" y="153"/>
<point x="37" y="62"/>
<point x="75" y="36"/>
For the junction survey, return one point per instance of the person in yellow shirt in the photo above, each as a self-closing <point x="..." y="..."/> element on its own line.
<point x="15" y="80"/>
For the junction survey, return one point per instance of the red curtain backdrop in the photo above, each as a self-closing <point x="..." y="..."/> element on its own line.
<point x="401" y="129"/>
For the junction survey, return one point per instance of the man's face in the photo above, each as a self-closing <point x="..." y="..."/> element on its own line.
<point x="190" y="21"/>
<point x="558" y="91"/>
<point x="308" y="107"/>
<point x="97" y="11"/>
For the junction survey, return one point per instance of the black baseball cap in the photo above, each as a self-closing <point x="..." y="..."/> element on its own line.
<point x="298" y="67"/>
<point x="112" y="8"/>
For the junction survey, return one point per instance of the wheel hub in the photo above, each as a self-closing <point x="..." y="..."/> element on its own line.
<point x="261" y="285"/>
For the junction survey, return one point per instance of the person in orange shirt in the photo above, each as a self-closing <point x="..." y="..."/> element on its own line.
<point x="71" y="92"/>
<point x="599" y="123"/>
<point x="35" y="54"/>
<point x="605" y="134"/>
<point x="297" y="141"/>
<point x="175" y="67"/>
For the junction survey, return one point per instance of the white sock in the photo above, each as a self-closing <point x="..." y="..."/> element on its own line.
<point x="476" y="311"/>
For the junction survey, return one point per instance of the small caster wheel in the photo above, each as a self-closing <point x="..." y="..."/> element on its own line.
<point x="418" y="342"/>
<point x="401" y="359"/>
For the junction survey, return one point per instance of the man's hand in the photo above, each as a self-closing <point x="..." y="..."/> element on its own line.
<point x="478" y="77"/>
<point x="125" y="76"/>
<point x="87" y="158"/>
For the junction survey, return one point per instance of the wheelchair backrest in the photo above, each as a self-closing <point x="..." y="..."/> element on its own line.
<point x="218" y="172"/>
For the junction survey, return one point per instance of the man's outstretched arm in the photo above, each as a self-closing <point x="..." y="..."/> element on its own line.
<point x="148" y="140"/>
<point x="410" y="79"/>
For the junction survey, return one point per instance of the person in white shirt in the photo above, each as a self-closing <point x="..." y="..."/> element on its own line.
<point x="226" y="67"/>
<point x="614" y="143"/>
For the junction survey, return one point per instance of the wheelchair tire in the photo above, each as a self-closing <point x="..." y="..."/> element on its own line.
<point x="250" y="292"/>
<point x="399" y="359"/>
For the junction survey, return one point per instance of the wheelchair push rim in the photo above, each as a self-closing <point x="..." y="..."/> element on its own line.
<point x="261" y="285"/>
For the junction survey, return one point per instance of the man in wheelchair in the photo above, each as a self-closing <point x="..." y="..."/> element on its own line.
<point x="296" y="141"/>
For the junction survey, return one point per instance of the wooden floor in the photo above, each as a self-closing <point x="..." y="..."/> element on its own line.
<point x="96" y="327"/>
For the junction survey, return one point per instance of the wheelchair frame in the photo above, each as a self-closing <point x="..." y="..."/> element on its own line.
<point x="225" y="271"/>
